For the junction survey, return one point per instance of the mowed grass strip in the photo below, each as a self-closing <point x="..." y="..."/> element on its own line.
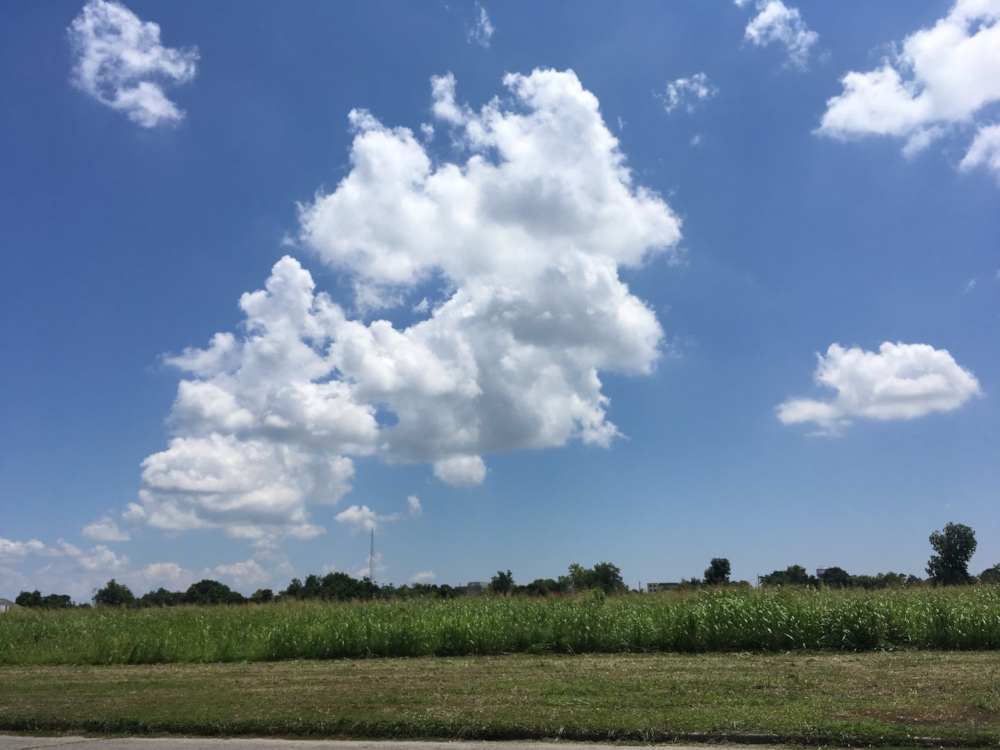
<point x="963" y="618"/>
<point x="872" y="698"/>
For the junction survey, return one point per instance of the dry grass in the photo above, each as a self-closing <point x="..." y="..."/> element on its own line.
<point x="874" y="698"/>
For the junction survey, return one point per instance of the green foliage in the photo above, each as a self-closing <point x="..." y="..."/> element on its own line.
<point x="717" y="573"/>
<point x="793" y="575"/>
<point x="990" y="575"/>
<point x="542" y="587"/>
<point x="262" y="596"/>
<point x="836" y="578"/>
<point x="729" y="619"/>
<point x="211" y="592"/>
<point x="50" y="601"/>
<point x="604" y="576"/>
<point x="114" y="595"/>
<point x="502" y="583"/>
<point x="331" y="587"/>
<point x="955" y="547"/>
<point x="161" y="598"/>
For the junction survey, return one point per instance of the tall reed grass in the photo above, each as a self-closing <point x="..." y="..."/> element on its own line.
<point x="782" y="620"/>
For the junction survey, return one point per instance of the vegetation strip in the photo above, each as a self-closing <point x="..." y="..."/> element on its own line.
<point x="898" y="699"/>
<point x="775" y="620"/>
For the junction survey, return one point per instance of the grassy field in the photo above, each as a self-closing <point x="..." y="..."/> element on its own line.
<point x="870" y="698"/>
<point x="966" y="618"/>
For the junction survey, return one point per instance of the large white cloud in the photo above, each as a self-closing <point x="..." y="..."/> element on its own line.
<point x="900" y="381"/>
<point x="121" y="63"/>
<point x="776" y="22"/>
<point x="940" y="78"/>
<point x="523" y="236"/>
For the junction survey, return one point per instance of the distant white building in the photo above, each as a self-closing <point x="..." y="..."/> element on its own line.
<point x="652" y="588"/>
<point x="7" y="605"/>
<point x="475" y="588"/>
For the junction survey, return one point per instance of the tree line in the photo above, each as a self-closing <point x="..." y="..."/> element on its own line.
<point x="954" y="547"/>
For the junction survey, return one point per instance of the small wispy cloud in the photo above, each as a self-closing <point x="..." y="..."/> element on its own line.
<point x="424" y="576"/>
<point x="413" y="503"/>
<point x="483" y="29"/>
<point x="776" y="22"/>
<point x="687" y="93"/>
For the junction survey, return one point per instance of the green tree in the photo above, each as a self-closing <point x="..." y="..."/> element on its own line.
<point x="208" y="591"/>
<point x="955" y="546"/>
<point x="836" y="578"/>
<point x="608" y="578"/>
<point x="502" y="583"/>
<point x="114" y="595"/>
<point x="261" y="596"/>
<point x="717" y="572"/>
<point x="161" y="598"/>
<point x="990" y="575"/>
<point x="793" y="575"/>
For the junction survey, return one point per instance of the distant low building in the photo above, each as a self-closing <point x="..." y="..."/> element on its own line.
<point x="652" y="588"/>
<point x="474" y="588"/>
<point x="6" y="605"/>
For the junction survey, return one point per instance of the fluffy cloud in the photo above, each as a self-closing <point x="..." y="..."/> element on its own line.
<point x="482" y="31"/>
<point x="105" y="530"/>
<point x="687" y="92"/>
<point x="242" y="574"/>
<point x="424" y="576"/>
<point x="985" y="150"/>
<point x="776" y="22"/>
<point x="68" y="569"/>
<point x="413" y="504"/>
<point x="363" y="518"/>
<point x="522" y="237"/>
<point x="942" y="77"/>
<point x="121" y="63"/>
<point x="901" y="381"/>
<point x="65" y="568"/>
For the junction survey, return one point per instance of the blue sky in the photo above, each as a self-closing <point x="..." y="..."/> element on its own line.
<point x="569" y="276"/>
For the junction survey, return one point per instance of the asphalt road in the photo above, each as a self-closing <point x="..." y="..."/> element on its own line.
<point x="24" y="742"/>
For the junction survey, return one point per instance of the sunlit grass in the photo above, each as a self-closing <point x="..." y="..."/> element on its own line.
<point x="721" y="621"/>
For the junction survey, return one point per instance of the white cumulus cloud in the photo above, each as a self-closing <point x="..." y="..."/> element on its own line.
<point x="523" y="235"/>
<point x="424" y="576"/>
<point x="461" y="471"/>
<point x="940" y="78"/>
<point x="242" y="574"/>
<point x="363" y="518"/>
<point x="900" y="381"/>
<point x="687" y="92"/>
<point x="120" y="62"/>
<point x="776" y="22"/>
<point x="65" y="568"/>
<point x="105" y="529"/>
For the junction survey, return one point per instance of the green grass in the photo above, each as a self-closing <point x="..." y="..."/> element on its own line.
<point x="748" y="621"/>
<point x="887" y="698"/>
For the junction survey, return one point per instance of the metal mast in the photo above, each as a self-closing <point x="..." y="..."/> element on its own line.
<point x="371" y="559"/>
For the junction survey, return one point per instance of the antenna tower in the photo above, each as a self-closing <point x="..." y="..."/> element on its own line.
<point x="371" y="560"/>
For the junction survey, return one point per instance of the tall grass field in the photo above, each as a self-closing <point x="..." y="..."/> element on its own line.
<point x="963" y="618"/>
